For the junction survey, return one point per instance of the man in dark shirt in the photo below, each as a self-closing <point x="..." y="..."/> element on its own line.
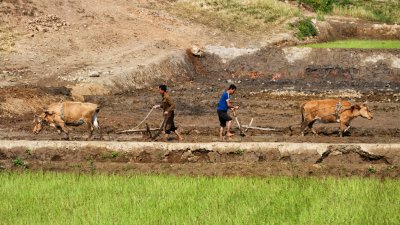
<point x="222" y="110"/>
<point x="168" y="106"/>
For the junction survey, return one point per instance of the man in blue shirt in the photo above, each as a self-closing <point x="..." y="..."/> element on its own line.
<point x="222" y="110"/>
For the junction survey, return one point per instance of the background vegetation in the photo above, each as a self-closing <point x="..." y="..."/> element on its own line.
<point x="306" y="28"/>
<point x="234" y="15"/>
<point x="376" y="44"/>
<point x="253" y="17"/>
<point x="387" y="11"/>
<point x="56" y="198"/>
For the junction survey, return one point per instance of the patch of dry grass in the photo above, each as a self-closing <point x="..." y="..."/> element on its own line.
<point x="362" y="13"/>
<point x="387" y="11"/>
<point x="7" y="39"/>
<point x="352" y="12"/>
<point x="249" y="16"/>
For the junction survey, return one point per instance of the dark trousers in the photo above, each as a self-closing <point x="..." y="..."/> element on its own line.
<point x="169" y="123"/>
<point x="223" y="117"/>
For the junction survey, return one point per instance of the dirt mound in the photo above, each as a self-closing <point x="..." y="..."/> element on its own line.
<point x="338" y="28"/>
<point x="16" y="101"/>
<point x="96" y="48"/>
<point x="338" y="66"/>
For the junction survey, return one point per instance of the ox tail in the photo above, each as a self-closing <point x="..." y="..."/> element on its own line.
<point x="96" y="122"/>
<point x="94" y="119"/>
<point x="302" y="112"/>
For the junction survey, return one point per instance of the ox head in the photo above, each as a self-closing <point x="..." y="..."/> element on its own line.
<point x="40" y="121"/>
<point x="364" y="112"/>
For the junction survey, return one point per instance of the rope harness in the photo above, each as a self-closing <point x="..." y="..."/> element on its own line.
<point x="62" y="111"/>
<point x="337" y="110"/>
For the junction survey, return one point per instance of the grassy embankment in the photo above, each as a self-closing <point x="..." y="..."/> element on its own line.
<point x="56" y="198"/>
<point x="386" y="11"/>
<point x="370" y="44"/>
<point x="256" y="17"/>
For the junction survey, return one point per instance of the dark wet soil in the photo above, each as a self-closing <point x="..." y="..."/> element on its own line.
<point x="266" y="94"/>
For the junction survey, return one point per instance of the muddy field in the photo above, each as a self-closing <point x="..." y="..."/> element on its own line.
<point x="273" y="105"/>
<point x="270" y="98"/>
<point x="116" y="53"/>
<point x="196" y="114"/>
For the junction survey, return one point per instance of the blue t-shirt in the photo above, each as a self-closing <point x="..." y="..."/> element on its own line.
<point x="223" y="105"/>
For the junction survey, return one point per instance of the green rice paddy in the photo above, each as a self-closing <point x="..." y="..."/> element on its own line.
<point x="61" y="198"/>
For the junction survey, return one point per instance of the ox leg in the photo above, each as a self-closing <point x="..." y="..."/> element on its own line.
<point x="59" y="130"/>
<point x="304" y="125"/>
<point x="314" y="131"/>
<point x="96" y="124"/>
<point x="347" y="128"/>
<point x="344" y="127"/>
<point x="65" y="130"/>
<point x="90" y="128"/>
<point x="92" y="123"/>
<point x="310" y="125"/>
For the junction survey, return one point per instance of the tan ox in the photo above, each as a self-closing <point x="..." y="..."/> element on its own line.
<point x="60" y="115"/>
<point x="331" y="111"/>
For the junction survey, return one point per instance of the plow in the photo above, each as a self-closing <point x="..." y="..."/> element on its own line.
<point x="149" y="131"/>
<point x="244" y="128"/>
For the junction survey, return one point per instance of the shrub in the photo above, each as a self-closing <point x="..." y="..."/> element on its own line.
<point x="239" y="152"/>
<point x="319" y="5"/>
<point x="114" y="154"/>
<point x="19" y="163"/>
<point x="371" y="169"/>
<point x="306" y="28"/>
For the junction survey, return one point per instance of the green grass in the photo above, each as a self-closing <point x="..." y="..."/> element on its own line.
<point x="386" y="11"/>
<point x="233" y="15"/>
<point x="255" y="17"/>
<point x="370" y="44"/>
<point x="55" y="198"/>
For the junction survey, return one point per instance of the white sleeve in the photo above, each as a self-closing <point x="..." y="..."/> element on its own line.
<point x="228" y="99"/>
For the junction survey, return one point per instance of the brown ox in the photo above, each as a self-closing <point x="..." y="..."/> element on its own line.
<point x="60" y="115"/>
<point x="331" y="111"/>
